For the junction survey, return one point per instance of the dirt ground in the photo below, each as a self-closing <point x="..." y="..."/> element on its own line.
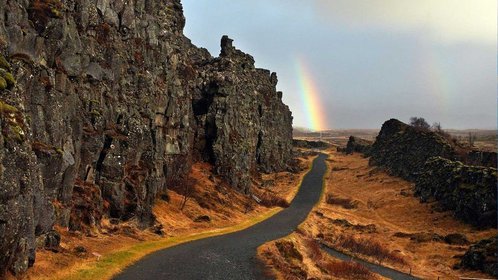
<point x="212" y="205"/>
<point x="364" y="206"/>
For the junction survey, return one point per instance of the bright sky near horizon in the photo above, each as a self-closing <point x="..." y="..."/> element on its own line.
<point x="357" y="63"/>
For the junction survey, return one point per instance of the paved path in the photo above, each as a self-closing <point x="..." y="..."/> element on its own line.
<point x="231" y="256"/>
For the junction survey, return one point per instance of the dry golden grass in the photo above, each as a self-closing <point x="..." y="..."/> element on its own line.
<point x="300" y="257"/>
<point x="363" y="210"/>
<point x="367" y="247"/>
<point x="113" y="247"/>
<point x="385" y="205"/>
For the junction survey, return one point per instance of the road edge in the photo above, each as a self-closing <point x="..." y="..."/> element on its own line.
<point x="112" y="264"/>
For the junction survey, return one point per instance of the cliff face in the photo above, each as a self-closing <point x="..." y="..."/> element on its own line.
<point x="470" y="191"/>
<point x="242" y="124"/>
<point x="111" y="104"/>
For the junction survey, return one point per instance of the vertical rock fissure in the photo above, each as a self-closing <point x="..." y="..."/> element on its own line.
<point x="102" y="156"/>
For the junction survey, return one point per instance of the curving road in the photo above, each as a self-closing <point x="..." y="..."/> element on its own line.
<point x="231" y="256"/>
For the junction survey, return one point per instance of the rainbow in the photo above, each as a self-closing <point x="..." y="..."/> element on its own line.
<point x="439" y="80"/>
<point x="310" y="96"/>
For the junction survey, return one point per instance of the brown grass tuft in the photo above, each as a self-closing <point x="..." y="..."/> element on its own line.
<point x="285" y="261"/>
<point x="347" y="270"/>
<point x="345" y="203"/>
<point x="269" y="199"/>
<point x="368" y="247"/>
<point x="314" y="251"/>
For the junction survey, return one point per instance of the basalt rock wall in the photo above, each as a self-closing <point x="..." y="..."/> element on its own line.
<point x="105" y="103"/>
<point x="435" y="164"/>
<point x="469" y="191"/>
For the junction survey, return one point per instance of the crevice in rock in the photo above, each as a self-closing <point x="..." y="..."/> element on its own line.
<point x="201" y="106"/>
<point x="258" y="147"/>
<point x="103" y="154"/>
<point x="211" y="135"/>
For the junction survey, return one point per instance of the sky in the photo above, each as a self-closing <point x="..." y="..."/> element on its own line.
<point x="357" y="63"/>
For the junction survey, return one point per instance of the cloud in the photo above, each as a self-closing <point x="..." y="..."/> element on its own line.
<point x="447" y="20"/>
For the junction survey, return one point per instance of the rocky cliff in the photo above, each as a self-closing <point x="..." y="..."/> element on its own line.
<point x="469" y="191"/>
<point x="433" y="162"/>
<point x="403" y="149"/>
<point x="104" y="103"/>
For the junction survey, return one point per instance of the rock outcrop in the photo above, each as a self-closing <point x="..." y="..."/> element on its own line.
<point x="403" y="149"/>
<point x="104" y="103"/>
<point x="358" y="145"/>
<point x="482" y="256"/>
<point x="433" y="162"/>
<point x="239" y="129"/>
<point x="469" y="191"/>
<point x="310" y="144"/>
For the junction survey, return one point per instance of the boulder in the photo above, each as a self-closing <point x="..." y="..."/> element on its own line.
<point x="482" y="256"/>
<point x="358" y="145"/>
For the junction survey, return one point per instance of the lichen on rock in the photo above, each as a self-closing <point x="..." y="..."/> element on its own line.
<point x="7" y="80"/>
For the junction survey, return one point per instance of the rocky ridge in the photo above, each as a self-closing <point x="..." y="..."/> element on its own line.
<point x="403" y="149"/>
<point x="358" y="145"/>
<point x="430" y="160"/>
<point x="469" y="191"/>
<point x="435" y="165"/>
<point x="106" y="104"/>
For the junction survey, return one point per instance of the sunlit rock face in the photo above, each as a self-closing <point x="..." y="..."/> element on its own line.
<point x="111" y="104"/>
<point x="403" y="149"/>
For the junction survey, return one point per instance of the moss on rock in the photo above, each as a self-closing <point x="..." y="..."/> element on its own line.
<point x="8" y="77"/>
<point x="3" y="83"/>
<point x="3" y="63"/>
<point x="7" y="80"/>
<point x="13" y="124"/>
